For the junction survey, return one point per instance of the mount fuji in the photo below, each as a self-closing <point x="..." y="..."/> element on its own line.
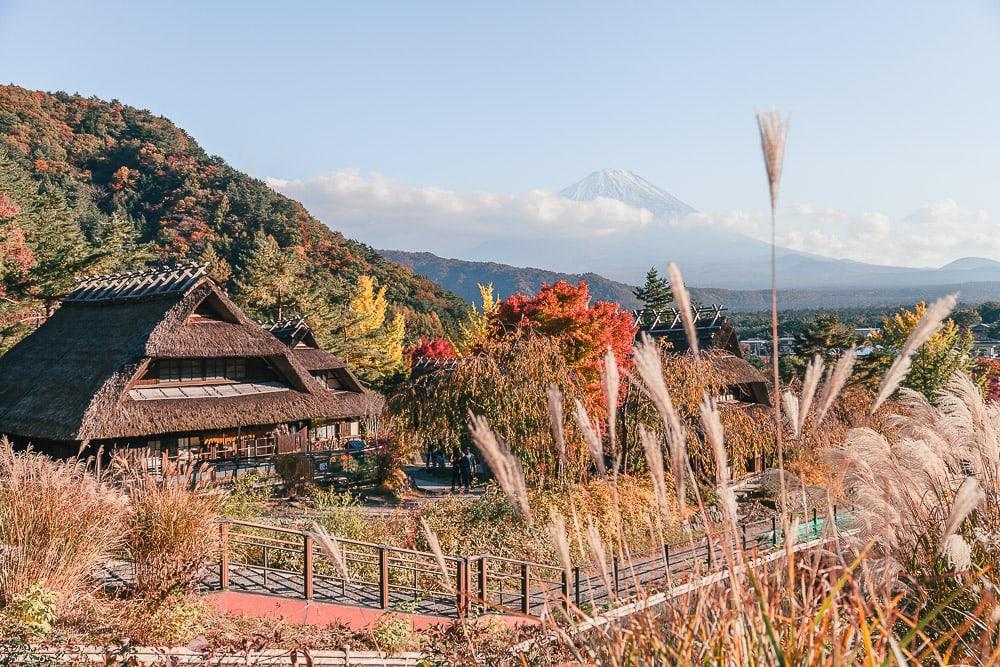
<point x="629" y="188"/>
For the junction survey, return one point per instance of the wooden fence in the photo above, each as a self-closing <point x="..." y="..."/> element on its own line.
<point x="284" y="561"/>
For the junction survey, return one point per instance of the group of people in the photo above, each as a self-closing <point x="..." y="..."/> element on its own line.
<point x="463" y="464"/>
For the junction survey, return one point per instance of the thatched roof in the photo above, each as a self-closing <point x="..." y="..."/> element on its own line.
<point x="69" y="380"/>
<point x="733" y="370"/>
<point x="713" y="329"/>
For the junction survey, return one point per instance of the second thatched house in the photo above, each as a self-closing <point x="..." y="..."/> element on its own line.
<point x="163" y="364"/>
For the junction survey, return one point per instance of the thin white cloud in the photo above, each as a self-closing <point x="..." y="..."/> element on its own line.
<point x="390" y="214"/>
<point x="387" y="213"/>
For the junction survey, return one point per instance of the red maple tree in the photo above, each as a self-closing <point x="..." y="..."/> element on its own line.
<point x="434" y="348"/>
<point x="585" y="331"/>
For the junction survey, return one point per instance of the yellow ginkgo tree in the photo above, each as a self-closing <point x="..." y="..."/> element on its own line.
<point x="945" y="353"/>
<point x="368" y="335"/>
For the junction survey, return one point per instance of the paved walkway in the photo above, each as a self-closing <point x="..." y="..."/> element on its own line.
<point x="436" y="481"/>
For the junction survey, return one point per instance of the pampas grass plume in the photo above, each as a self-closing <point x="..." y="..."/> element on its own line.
<point x="683" y="300"/>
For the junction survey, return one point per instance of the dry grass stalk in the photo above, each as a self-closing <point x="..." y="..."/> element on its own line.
<point x="554" y="398"/>
<point x="57" y="522"/>
<point x="790" y="403"/>
<point x="712" y="424"/>
<point x="610" y="382"/>
<point x="835" y="383"/>
<point x="814" y="372"/>
<point x="654" y="462"/>
<point x="505" y="466"/>
<point x="648" y="365"/>
<point x="683" y="300"/>
<point x="599" y="555"/>
<point x="925" y="328"/>
<point x="435" y="546"/>
<point x="773" y="134"/>
<point x="173" y="529"/>
<point x="328" y="545"/>
<point x="590" y="436"/>
<point x="557" y="530"/>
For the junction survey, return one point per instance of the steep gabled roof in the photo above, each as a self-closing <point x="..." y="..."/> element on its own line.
<point x="69" y="379"/>
<point x="300" y="339"/>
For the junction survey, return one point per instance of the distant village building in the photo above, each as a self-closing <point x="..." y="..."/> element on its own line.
<point x="163" y="364"/>
<point x="716" y="335"/>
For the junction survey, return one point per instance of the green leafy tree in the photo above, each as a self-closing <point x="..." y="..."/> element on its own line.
<point x="945" y="353"/>
<point x="117" y="237"/>
<point x="655" y="293"/>
<point x="989" y="311"/>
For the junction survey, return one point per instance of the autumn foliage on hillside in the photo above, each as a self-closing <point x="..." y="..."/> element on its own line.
<point x="431" y="348"/>
<point x="106" y="162"/>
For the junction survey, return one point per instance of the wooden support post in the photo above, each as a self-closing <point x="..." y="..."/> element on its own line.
<point x="461" y="587"/>
<point x="614" y="566"/>
<point x="383" y="578"/>
<point x="708" y="545"/>
<point x="576" y="584"/>
<point x="482" y="581"/>
<point x="524" y="588"/>
<point x="224" y="556"/>
<point x="774" y="532"/>
<point x="815" y="522"/>
<point x="307" y="565"/>
<point x="743" y="533"/>
<point x="666" y="555"/>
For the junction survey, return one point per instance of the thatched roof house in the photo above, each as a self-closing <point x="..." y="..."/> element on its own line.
<point x="716" y="334"/>
<point x="164" y="359"/>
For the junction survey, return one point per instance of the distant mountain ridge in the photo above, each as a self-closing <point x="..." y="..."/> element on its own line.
<point x="461" y="276"/>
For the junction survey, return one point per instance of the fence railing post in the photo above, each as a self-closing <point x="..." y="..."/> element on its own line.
<point x="383" y="578"/>
<point x="524" y="588"/>
<point x="815" y="521"/>
<point x="307" y="565"/>
<point x="224" y="556"/>
<point x="666" y="556"/>
<point x="482" y="581"/>
<point x="708" y="548"/>
<point x="461" y="586"/>
<point x="576" y="584"/>
<point x="774" y="531"/>
<point x="614" y="565"/>
<point x="743" y="533"/>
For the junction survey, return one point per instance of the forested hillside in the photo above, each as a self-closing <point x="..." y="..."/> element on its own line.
<point x="88" y="185"/>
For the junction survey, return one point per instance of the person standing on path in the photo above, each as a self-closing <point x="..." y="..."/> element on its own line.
<point x="466" y="467"/>
<point x="456" y="468"/>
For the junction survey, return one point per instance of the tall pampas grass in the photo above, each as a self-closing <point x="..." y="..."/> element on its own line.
<point x="810" y="382"/>
<point x="928" y="325"/>
<point x="610" y="383"/>
<point x="773" y="134"/>
<point x="590" y="436"/>
<point x="835" y="383"/>
<point x="435" y="547"/>
<point x="554" y="401"/>
<point x="683" y="300"/>
<point x="505" y="466"/>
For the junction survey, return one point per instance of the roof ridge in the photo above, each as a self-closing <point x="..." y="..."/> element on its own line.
<point x="133" y="285"/>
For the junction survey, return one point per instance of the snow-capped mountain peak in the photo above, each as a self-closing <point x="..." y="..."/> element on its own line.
<point x="630" y="188"/>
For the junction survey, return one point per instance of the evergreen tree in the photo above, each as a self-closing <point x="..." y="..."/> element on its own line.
<point x="827" y="336"/>
<point x="655" y="293"/>
<point x="117" y="237"/>
<point x="369" y="337"/>
<point x="271" y="284"/>
<point x="218" y="268"/>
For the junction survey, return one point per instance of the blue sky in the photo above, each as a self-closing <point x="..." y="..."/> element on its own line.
<point x="894" y="104"/>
